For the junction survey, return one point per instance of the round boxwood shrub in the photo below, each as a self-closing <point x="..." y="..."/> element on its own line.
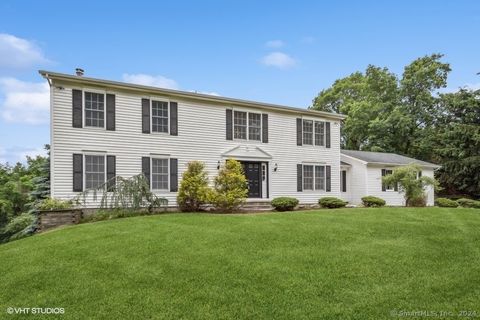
<point x="446" y="203"/>
<point x="468" y="203"/>
<point x="331" y="202"/>
<point x="371" y="201"/>
<point x="284" y="203"/>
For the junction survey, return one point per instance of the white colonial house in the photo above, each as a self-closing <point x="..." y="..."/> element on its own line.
<point x="101" y="129"/>
<point x="362" y="171"/>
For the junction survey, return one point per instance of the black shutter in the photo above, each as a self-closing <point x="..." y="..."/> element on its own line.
<point x="344" y="180"/>
<point x="173" y="118"/>
<point x="229" y="126"/>
<point x="77" y="172"/>
<point x="173" y="175"/>
<point x="299" y="177"/>
<point x="110" y="112"/>
<point x="77" y="108"/>
<point x="419" y="174"/>
<point x="111" y="173"/>
<point x="146" y="115"/>
<point x="328" y="178"/>
<point x="146" y="169"/>
<point x="395" y="187"/>
<point x="299" y="132"/>
<point x="265" y="128"/>
<point x="384" y="187"/>
<point x="327" y="134"/>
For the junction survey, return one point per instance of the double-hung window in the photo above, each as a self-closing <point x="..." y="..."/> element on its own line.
<point x="239" y="125"/>
<point x="254" y="126"/>
<point x="159" y="116"/>
<point x="320" y="133"/>
<point x="313" y="177"/>
<point x="247" y="125"/>
<point x="159" y="174"/>
<point x="313" y="133"/>
<point x="308" y="132"/>
<point x="94" y="171"/>
<point x="94" y="109"/>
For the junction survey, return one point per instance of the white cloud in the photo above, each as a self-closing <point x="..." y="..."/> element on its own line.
<point x="148" y="80"/>
<point x="24" y="102"/>
<point x="16" y="154"/>
<point x="274" y="44"/>
<point x="279" y="60"/>
<point x="19" y="53"/>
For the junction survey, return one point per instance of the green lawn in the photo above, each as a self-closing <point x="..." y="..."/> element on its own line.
<point x="346" y="264"/>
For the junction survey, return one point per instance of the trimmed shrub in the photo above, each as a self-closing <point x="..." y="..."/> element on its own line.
<point x="230" y="187"/>
<point x="55" y="204"/>
<point x="284" y="203"/>
<point x="371" y="201"/>
<point x="194" y="189"/>
<point x="331" y="202"/>
<point x="468" y="203"/>
<point x="446" y="203"/>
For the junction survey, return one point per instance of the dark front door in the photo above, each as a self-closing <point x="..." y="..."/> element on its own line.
<point x="253" y="171"/>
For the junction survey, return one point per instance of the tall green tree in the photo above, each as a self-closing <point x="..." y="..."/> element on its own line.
<point x="456" y="142"/>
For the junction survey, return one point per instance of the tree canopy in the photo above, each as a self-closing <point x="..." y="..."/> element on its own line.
<point x="408" y="115"/>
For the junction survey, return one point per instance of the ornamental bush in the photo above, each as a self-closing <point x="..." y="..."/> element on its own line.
<point x="446" y="203"/>
<point x="331" y="202"/>
<point x="284" y="203"/>
<point x="194" y="189"/>
<point x="468" y="203"/>
<point x="54" y="204"/>
<point x="230" y="187"/>
<point x="371" y="201"/>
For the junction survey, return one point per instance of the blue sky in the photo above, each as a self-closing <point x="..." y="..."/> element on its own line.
<point x="268" y="51"/>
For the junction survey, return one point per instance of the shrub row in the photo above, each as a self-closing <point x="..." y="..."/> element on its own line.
<point x="463" y="202"/>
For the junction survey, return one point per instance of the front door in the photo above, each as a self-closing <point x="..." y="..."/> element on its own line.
<point x="253" y="172"/>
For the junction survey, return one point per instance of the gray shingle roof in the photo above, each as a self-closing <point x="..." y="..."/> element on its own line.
<point x="386" y="158"/>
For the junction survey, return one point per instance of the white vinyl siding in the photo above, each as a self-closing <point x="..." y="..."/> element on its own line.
<point x="94" y="109"/>
<point x="159" y="116"/>
<point x="202" y="139"/>
<point x="94" y="171"/>
<point x="159" y="174"/>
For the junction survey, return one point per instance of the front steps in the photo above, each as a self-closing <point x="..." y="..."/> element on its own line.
<point x="256" y="206"/>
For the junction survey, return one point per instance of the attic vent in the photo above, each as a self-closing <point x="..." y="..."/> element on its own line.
<point x="79" y="72"/>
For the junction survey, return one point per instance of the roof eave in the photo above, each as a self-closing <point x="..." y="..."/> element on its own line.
<point x="191" y="95"/>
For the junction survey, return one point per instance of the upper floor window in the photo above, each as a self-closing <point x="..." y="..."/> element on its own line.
<point x="254" y="126"/>
<point x="239" y="125"/>
<point x="313" y="177"/>
<point x="313" y="132"/>
<point x="320" y="133"/>
<point x="94" y="109"/>
<point x="308" y="132"/>
<point x="159" y="174"/>
<point x="94" y="171"/>
<point x="159" y="116"/>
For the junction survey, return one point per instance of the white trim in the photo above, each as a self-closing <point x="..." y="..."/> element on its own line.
<point x="159" y="99"/>
<point x="361" y="161"/>
<point x="84" y="164"/>
<point x="313" y="165"/>
<point x="314" y="120"/>
<point x="96" y="91"/>
<point x="247" y="133"/>
<point x="52" y="144"/>
<point x="168" y="173"/>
